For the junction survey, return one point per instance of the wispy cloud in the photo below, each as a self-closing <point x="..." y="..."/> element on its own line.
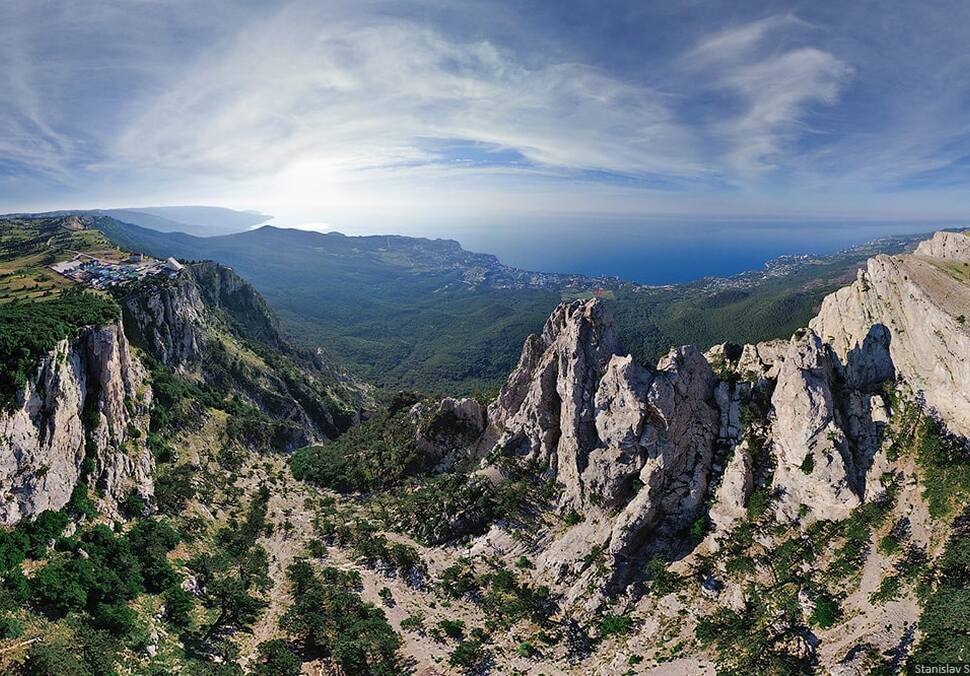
<point x="421" y="99"/>
<point x="365" y="92"/>
<point x="774" y="84"/>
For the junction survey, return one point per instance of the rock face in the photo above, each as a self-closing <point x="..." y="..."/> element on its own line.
<point x="905" y="316"/>
<point x="673" y="452"/>
<point x="210" y="324"/>
<point x="87" y="392"/>
<point x="815" y="463"/>
<point x="173" y="317"/>
<point x="547" y="403"/>
<point x="736" y="487"/>
<point x="631" y="449"/>
<point x="638" y="454"/>
<point x="168" y="318"/>
<point x="954" y="246"/>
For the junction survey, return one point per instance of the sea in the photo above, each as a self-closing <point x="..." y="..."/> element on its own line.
<point x="669" y="251"/>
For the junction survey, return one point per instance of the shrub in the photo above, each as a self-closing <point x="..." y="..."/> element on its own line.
<point x="663" y="580"/>
<point x="758" y="503"/>
<point x="174" y="488"/>
<point x="452" y="628"/>
<point x="698" y="529"/>
<point x="45" y="659"/>
<point x="275" y="658"/>
<point x="614" y="625"/>
<point x="116" y="618"/>
<point x="808" y="464"/>
<point x="329" y="618"/>
<point x="469" y="655"/>
<point x="178" y="607"/>
<point x="826" y="612"/>
<point x="413" y="623"/>
<point x="10" y="627"/>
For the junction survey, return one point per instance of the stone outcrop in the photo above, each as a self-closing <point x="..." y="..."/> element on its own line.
<point x="750" y="362"/>
<point x="673" y="453"/>
<point x="211" y="325"/>
<point x="905" y="317"/>
<point x="762" y="360"/>
<point x="737" y="484"/>
<point x="168" y="318"/>
<point x="954" y="246"/>
<point x="816" y="467"/>
<point x="545" y="411"/>
<point x="630" y="448"/>
<point x="88" y="392"/>
<point x="638" y="454"/>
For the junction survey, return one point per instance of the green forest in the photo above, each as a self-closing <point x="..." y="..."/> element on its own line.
<point x="30" y="329"/>
<point x="398" y="313"/>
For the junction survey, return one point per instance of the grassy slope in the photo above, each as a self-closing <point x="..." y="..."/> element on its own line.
<point x="37" y="306"/>
<point x="28" y="246"/>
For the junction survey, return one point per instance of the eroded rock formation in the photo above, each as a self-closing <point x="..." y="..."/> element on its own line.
<point x="88" y="396"/>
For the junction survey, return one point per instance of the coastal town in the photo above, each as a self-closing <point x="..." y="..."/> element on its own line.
<point x="101" y="273"/>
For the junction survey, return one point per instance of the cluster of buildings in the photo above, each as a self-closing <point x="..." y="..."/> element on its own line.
<point x="100" y="274"/>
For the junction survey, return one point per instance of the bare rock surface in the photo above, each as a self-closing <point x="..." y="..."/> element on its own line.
<point x="815" y="464"/>
<point x="905" y="316"/>
<point x="87" y="390"/>
<point x="953" y="246"/>
<point x="630" y="448"/>
<point x="736" y="486"/>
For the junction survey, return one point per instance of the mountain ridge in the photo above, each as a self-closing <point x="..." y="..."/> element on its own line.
<point x="787" y="506"/>
<point x="437" y="323"/>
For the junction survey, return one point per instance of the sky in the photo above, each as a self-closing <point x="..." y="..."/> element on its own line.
<point x="372" y="116"/>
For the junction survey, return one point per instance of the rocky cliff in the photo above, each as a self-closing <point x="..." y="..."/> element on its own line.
<point x="631" y="449"/>
<point x="87" y="400"/>
<point x="643" y="453"/>
<point x="905" y="316"/>
<point x="209" y="324"/>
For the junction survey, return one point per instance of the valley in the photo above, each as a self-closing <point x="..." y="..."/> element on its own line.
<point x="188" y="490"/>
<point x="411" y="313"/>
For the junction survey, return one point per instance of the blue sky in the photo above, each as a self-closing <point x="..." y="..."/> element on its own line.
<point x="375" y="116"/>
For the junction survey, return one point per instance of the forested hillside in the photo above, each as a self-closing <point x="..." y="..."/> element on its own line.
<point x="404" y="312"/>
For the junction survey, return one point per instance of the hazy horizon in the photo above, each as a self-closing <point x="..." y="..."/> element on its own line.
<point x="434" y="114"/>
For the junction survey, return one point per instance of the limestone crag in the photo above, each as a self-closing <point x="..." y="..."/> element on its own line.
<point x="88" y="391"/>
<point x="946" y="245"/>
<point x="905" y="316"/>
<point x="209" y="324"/>
<point x="631" y="449"/>
<point x="816" y="467"/>
<point x="545" y="411"/>
<point x="674" y="451"/>
<point x="737" y="484"/>
<point x="168" y="317"/>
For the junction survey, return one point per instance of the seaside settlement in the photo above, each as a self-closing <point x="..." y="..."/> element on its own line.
<point x="100" y="273"/>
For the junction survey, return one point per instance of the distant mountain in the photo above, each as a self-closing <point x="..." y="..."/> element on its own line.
<point x="199" y="221"/>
